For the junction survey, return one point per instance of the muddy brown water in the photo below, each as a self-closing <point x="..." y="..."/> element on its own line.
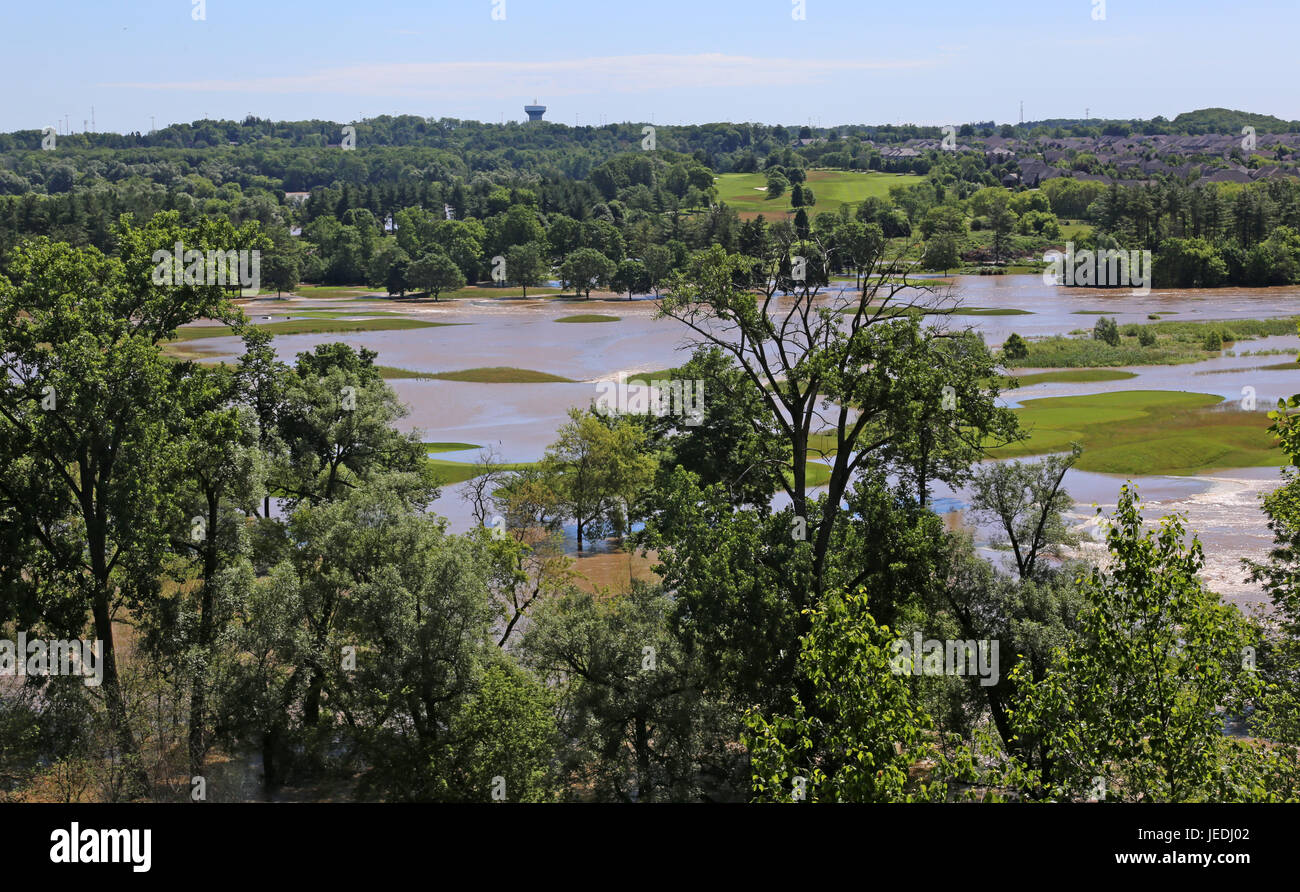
<point x="519" y="420"/>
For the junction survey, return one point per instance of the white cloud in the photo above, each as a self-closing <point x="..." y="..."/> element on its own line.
<point x="561" y="77"/>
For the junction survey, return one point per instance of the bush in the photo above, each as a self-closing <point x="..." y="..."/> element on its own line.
<point x="1213" y="340"/>
<point x="1146" y="337"/>
<point x="1107" y="331"/>
<point x="1015" y="347"/>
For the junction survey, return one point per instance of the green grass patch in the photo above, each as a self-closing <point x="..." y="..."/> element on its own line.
<point x="449" y="447"/>
<point x="1283" y="366"/>
<point x="309" y="326"/>
<point x="496" y="375"/>
<point x="987" y="311"/>
<point x="590" y="317"/>
<point x="452" y="472"/>
<point x="494" y="292"/>
<point x="1069" y="376"/>
<point x="1176" y="343"/>
<point x="1140" y="432"/>
<point x="332" y="292"/>
<point x="647" y="377"/>
<point x="831" y="188"/>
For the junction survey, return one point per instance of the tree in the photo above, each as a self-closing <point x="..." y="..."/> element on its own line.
<point x="526" y="266"/>
<point x="435" y="273"/>
<point x="280" y="271"/>
<point x="858" y="245"/>
<point x="221" y="471"/>
<point x="88" y="422"/>
<point x="776" y="183"/>
<point x="1015" y="347"/>
<point x="598" y="467"/>
<point x="658" y="265"/>
<point x="587" y="268"/>
<point x="1129" y="713"/>
<point x="836" y="379"/>
<point x="941" y="253"/>
<point x="261" y="380"/>
<point x="858" y="739"/>
<point x="1002" y="220"/>
<point x="631" y="276"/>
<point x="1106" y="330"/>
<point x="336" y="426"/>
<point x="398" y="279"/>
<point x="1027" y="502"/>
<point x="632" y="699"/>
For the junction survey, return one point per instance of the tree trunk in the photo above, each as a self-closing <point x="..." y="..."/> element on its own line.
<point x="644" y="783"/>
<point x="199" y="691"/>
<point x="120" y="727"/>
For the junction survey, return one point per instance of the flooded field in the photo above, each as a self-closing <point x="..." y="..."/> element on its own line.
<point x="519" y="420"/>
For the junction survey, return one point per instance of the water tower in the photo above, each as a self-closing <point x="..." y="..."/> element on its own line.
<point x="535" y="111"/>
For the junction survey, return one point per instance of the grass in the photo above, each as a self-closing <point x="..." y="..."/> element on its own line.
<point x="1140" y="432"/>
<point x="988" y="311"/>
<point x="590" y="317"/>
<point x="831" y="188"/>
<point x="1070" y="376"/>
<point x="492" y="375"/>
<point x="331" y="292"/>
<point x="501" y="292"/>
<point x="1176" y="342"/>
<point x="451" y="472"/>
<point x="450" y="447"/>
<point x="816" y="474"/>
<point x="309" y="326"/>
<point x="647" y="377"/>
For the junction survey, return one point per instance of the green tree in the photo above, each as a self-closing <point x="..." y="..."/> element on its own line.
<point x="941" y="253"/>
<point x="587" y="268"/>
<point x="527" y="266"/>
<point x="599" y="468"/>
<point x="1015" y="347"/>
<point x="435" y="273"/>
<point x="632" y="699"/>
<point x="631" y="277"/>
<point x="858" y="739"/>
<point x="1106" y="330"/>
<point x="337" y="428"/>
<point x="89" y="413"/>
<point x="1129" y="713"/>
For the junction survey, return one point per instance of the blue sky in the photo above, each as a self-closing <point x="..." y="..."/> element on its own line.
<point x="847" y="61"/>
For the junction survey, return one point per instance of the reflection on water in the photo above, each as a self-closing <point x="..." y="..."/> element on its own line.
<point x="520" y="420"/>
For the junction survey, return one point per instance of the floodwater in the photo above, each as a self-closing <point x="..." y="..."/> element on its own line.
<point x="520" y="420"/>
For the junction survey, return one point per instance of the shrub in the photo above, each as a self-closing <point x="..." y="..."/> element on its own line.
<point x="1213" y="340"/>
<point x="1146" y="337"/>
<point x="1015" y="347"/>
<point x="1107" y="331"/>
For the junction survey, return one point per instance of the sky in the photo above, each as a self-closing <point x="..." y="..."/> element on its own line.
<point x="823" y="62"/>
